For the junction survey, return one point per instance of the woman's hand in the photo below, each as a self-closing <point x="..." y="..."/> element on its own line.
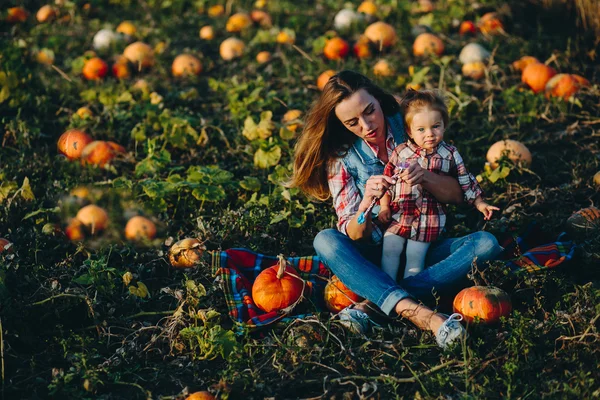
<point x="375" y="188"/>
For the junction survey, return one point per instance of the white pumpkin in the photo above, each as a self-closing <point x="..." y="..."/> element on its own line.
<point x="104" y="38"/>
<point x="345" y="18"/>
<point x="472" y="53"/>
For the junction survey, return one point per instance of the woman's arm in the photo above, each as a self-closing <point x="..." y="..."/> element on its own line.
<point x="444" y="188"/>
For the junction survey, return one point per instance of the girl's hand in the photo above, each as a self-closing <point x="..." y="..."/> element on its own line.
<point x="376" y="186"/>
<point x="385" y="215"/>
<point x="413" y="175"/>
<point x="486" y="209"/>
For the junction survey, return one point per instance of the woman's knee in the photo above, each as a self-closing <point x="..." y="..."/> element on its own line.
<point x="325" y="243"/>
<point x="486" y="245"/>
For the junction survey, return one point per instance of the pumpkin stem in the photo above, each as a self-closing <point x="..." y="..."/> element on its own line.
<point x="282" y="264"/>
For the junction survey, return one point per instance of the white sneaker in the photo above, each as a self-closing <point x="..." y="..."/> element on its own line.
<point x="450" y="330"/>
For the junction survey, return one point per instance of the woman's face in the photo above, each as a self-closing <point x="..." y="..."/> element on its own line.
<point x="361" y="114"/>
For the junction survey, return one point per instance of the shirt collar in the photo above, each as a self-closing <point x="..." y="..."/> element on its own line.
<point x="421" y="151"/>
<point x="388" y="139"/>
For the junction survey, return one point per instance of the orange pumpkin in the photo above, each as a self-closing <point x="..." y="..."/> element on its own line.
<point x="126" y="28"/>
<point x="262" y="18"/>
<point x="94" y="218"/>
<point x="490" y="24"/>
<point x="467" y="27"/>
<point x="324" y="78"/>
<point x="290" y="120"/>
<point x="523" y="62"/>
<point x="383" y="68"/>
<point x="584" y="222"/>
<point x="120" y="68"/>
<point x="263" y="57"/>
<point x="362" y="47"/>
<point x="238" y="22"/>
<point x="537" y="75"/>
<point x="487" y="303"/>
<point x="382" y="34"/>
<point x="596" y="179"/>
<point x="72" y="142"/>
<point x="367" y="7"/>
<point x="474" y="70"/>
<point x="140" y="55"/>
<point x="75" y="231"/>
<point x="204" y="395"/>
<point x="186" y="64"/>
<point x="428" y="43"/>
<point x="16" y="14"/>
<point x="231" y="48"/>
<point x="562" y="85"/>
<point x="5" y="245"/>
<point x="336" y="48"/>
<point x="216" y="11"/>
<point x="338" y="296"/>
<point x="277" y="287"/>
<point x="516" y="151"/>
<point x="207" y="32"/>
<point x="100" y="152"/>
<point x="186" y="253"/>
<point x="94" y="69"/>
<point x="139" y="228"/>
<point x="45" y="13"/>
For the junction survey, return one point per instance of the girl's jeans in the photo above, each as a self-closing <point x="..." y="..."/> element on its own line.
<point x="447" y="264"/>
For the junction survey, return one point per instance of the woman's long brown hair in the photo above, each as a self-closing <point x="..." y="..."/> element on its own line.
<point x="324" y="138"/>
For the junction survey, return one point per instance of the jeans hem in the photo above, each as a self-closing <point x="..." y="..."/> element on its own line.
<point x="392" y="297"/>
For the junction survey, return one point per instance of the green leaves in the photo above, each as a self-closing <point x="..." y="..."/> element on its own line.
<point x="262" y="130"/>
<point x="267" y="157"/>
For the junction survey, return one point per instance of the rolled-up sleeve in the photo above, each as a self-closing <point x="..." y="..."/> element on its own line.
<point x="466" y="180"/>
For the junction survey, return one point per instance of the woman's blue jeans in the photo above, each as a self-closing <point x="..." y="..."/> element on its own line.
<point x="447" y="264"/>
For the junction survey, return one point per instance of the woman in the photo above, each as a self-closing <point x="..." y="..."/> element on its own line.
<point x="348" y="138"/>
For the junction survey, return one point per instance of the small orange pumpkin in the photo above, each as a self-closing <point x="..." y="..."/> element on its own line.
<point x="277" y="287"/>
<point x="5" y="245"/>
<point x="562" y="85"/>
<point x="140" y="55"/>
<point x="324" y="78"/>
<point x="46" y="13"/>
<point x="238" y="22"/>
<point x="474" y="70"/>
<point x="428" y="43"/>
<point x="382" y="34"/>
<point x="338" y="296"/>
<point x="204" y="395"/>
<point x="584" y="222"/>
<point x="186" y="253"/>
<point x="487" y="303"/>
<point x="186" y="64"/>
<point x="94" y="69"/>
<point x="536" y="75"/>
<point x="100" y="152"/>
<point x="72" y="142"/>
<point x="362" y="48"/>
<point x="336" y="48"/>
<point x="490" y="24"/>
<point x="523" y="62"/>
<point x="467" y="27"/>
<point x="231" y="48"/>
<point x="139" y="228"/>
<point x="94" y="218"/>
<point x="516" y="151"/>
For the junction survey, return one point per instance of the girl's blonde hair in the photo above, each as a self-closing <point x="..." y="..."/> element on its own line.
<point x="324" y="138"/>
<point x="414" y="101"/>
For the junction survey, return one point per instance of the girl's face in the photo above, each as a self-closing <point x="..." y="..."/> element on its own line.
<point x="361" y="114"/>
<point x="427" y="128"/>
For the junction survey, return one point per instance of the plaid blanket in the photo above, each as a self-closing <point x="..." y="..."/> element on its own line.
<point x="236" y="270"/>
<point x="529" y="254"/>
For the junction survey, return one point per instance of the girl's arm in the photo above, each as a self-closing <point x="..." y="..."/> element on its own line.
<point x="444" y="188"/>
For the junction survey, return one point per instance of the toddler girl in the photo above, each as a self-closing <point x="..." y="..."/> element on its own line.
<point x="417" y="218"/>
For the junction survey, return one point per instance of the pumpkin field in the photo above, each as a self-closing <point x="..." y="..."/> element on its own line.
<point x="140" y="139"/>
